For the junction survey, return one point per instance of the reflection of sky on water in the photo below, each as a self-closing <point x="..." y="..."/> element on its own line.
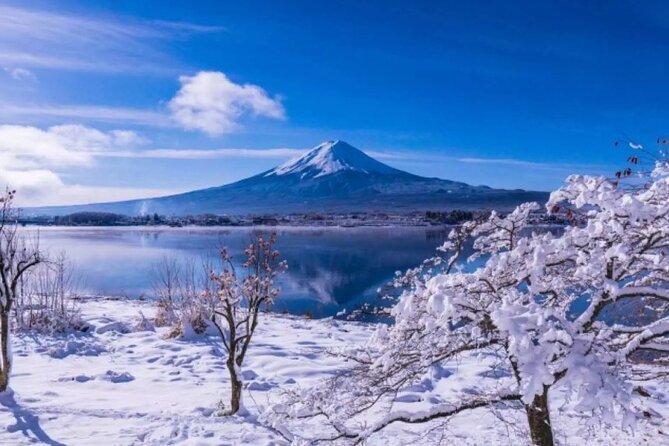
<point x="329" y="269"/>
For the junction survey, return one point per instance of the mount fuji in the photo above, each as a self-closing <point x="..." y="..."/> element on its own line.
<point x="332" y="177"/>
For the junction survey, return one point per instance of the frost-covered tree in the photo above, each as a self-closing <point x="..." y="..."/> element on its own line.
<point x="46" y="298"/>
<point x="16" y="258"/>
<point x="565" y="312"/>
<point x="240" y="297"/>
<point x="183" y="297"/>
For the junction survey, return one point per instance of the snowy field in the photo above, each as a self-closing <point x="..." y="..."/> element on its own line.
<point x="119" y="385"/>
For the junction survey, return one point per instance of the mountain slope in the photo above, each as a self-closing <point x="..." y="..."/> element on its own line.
<point x="332" y="177"/>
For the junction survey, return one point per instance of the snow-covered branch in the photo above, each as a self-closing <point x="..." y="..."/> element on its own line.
<point x="439" y="411"/>
<point x="559" y="310"/>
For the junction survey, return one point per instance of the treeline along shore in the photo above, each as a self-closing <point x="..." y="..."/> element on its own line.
<point x="427" y="218"/>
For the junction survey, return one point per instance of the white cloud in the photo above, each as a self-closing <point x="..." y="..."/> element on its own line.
<point x="504" y="161"/>
<point x="58" y="146"/>
<point x="20" y="74"/>
<point x="208" y="102"/>
<point x="186" y="154"/>
<point x="30" y="183"/>
<point x="87" y="139"/>
<point x="513" y="162"/>
<point x="212" y="103"/>
<point x="390" y="155"/>
<point x="31" y="158"/>
<point x="45" y="39"/>
<point x="30" y="146"/>
<point x="83" y="63"/>
<point x="88" y="113"/>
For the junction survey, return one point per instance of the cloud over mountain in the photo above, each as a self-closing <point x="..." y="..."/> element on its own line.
<point x="210" y="102"/>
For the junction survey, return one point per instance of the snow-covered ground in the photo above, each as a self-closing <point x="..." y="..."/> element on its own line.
<point x="120" y="386"/>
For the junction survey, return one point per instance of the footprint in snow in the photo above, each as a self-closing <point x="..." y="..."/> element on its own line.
<point x="249" y="375"/>
<point x="76" y="348"/>
<point x="118" y="327"/>
<point x="204" y="411"/>
<point x="260" y="386"/>
<point x="423" y="386"/>
<point x="408" y="398"/>
<point x="116" y="377"/>
<point x="496" y="373"/>
<point x="78" y="378"/>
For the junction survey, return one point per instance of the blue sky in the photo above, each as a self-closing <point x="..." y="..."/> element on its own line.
<point x="119" y="99"/>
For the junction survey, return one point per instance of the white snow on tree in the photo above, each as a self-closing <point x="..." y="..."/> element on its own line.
<point x="568" y="312"/>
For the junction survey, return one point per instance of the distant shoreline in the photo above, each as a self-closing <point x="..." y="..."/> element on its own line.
<point x="425" y="219"/>
<point x="161" y="228"/>
<point x="149" y="228"/>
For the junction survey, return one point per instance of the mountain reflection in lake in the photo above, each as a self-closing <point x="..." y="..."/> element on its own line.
<point x="330" y="269"/>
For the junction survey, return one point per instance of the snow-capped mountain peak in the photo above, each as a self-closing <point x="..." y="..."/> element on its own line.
<point x="332" y="177"/>
<point x="328" y="158"/>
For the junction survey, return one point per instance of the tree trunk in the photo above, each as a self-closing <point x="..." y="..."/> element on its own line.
<point x="538" y="417"/>
<point x="5" y="364"/>
<point x="235" y="387"/>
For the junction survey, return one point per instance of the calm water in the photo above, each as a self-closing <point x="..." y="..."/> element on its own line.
<point x="330" y="269"/>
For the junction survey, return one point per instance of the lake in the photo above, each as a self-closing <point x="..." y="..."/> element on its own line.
<point x="330" y="269"/>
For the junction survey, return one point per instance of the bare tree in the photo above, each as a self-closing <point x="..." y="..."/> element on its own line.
<point x="16" y="258"/>
<point x="45" y="299"/>
<point x="184" y="300"/>
<point x="165" y="277"/>
<point x="240" y="298"/>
